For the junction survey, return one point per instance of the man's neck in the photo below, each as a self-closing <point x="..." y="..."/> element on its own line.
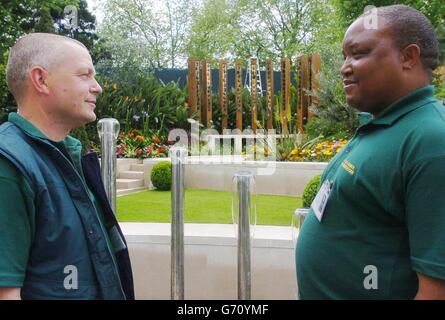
<point x="52" y="129"/>
<point x="409" y="88"/>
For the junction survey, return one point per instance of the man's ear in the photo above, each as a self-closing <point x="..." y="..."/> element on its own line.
<point x="410" y="56"/>
<point x="39" y="80"/>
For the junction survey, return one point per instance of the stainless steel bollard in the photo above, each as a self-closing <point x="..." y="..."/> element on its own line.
<point x="108" y="130"/>
<point x="244" y="185"/>
<point x="177" y="234"/>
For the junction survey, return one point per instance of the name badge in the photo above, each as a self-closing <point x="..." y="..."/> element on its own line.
<point x="319" y="203"/>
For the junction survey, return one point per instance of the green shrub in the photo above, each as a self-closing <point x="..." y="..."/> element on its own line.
<point x="161" y="176"/>
<point x="310" y="191"/>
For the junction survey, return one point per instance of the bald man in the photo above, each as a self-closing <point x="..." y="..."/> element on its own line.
<point x="59" y="238"/>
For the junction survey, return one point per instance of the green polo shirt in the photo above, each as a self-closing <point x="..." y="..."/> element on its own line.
<point x="17" y="220"/>
<point x="384" y="220"/>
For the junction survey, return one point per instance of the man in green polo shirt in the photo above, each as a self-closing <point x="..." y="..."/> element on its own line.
<point x="59" y="238"/>
<point x="377" y="227"/>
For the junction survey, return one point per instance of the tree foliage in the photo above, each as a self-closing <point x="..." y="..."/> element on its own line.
<point x="352" y="9"/>
<point x="240" y="29"/>
<point x="21" y="17"/>
<point x="142" y="35"/>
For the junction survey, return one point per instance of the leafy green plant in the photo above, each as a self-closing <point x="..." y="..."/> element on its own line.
<point x="439" y="82"/>
<point x="285" y="145"/>
<point x="140" y="102"/>
<point x="310" y="191"/>
<point x="161" y="176"/>
<point x="334" y="117"/>
<point x="7" y="103"/>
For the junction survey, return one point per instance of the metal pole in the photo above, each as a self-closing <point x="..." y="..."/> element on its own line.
<point x="244" y="180"/>
<point x="108" y="130"/>
<point x="177" y="233"/>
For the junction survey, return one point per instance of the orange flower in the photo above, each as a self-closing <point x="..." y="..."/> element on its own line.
<point x="156" y="140"/>
<point x="140" y="138"/>
<point x="130" y="134"/>
<point x="138" y="152"/>
<point x="160" y="149"/>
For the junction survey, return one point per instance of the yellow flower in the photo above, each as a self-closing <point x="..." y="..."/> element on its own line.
<point x="114" y="86"/>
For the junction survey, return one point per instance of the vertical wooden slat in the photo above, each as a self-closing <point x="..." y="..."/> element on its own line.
<point x="254" y="92"/>
<point x="299" y="98"/>
<point x="207" y="93"/>
<point x="285" y="91"/>
<point x="194" y="89"/>
<point x="303" y="63"/>
<point x="305" y="86"/>
<point x="239" y="94"/>
<point x="223" y="93"/>
<point x="315" y="66"/>
<point x="269" y="93"/>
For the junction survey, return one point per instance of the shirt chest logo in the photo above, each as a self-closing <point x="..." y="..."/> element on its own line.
<point x="349" y="167"/>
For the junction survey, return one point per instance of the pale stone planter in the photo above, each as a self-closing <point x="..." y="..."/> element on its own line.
<point x="287" y="178"/>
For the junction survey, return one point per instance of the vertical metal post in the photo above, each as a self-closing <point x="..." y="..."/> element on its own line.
<point x="108" y="130"/>
<point x="244" y="181"/>
<point x="177" y="233"/>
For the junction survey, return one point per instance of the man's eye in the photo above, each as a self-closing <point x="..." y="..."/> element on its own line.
<point x="359" y="53"/>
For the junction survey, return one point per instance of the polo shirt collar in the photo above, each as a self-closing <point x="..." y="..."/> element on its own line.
<point x="71" y="144"/>
<point x="408" y="103"/>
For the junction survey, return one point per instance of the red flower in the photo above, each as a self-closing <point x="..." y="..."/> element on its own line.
<point x="160" y="149"/>
<point x="138" y="152"/>
<point x="156" y="140"/>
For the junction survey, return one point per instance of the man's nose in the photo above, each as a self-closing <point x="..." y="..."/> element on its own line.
<point x="96" y="88"/>
<point x="346" y="68"/>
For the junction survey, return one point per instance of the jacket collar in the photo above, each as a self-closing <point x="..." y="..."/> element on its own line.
<point x="71" y="144"/>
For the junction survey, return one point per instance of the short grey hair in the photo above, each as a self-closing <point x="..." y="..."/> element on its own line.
<point x="31" y="50"/>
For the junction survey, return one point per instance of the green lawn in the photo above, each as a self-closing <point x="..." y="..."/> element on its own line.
<point x="203" y="206"/>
